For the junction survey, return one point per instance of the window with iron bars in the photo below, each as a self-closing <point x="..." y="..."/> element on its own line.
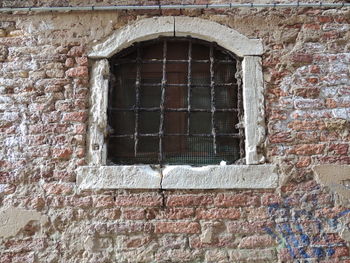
<point x="175" y="101"/>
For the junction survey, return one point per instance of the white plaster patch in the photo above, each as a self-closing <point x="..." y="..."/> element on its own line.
<point x="335" y="177"/>
<point x="220" y="177"/>
<point x="115" y="177"/>
<point x="14" y="219"/>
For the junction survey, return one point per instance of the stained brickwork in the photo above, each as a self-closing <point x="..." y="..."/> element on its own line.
<point x="44" y="102"/>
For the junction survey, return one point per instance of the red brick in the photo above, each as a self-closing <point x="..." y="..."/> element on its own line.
<point x="236" y="200"/>
<point x="62" y="153"/>
<point x="58" y="188"/>
<point x="103" y="201"/>
<point x="82" y="61"/>
<point x="178" y="227"/>
<point x="176" y="213"/>
<point x="340" y="149"/>
<point x="189" y="200"/>
<point x="76" y="51"/>
<point x="307" y="92"/>
<point x="303" y="162"/>
<point x="218" y="213"/>
<point x="81" y="71"/>
<point x="341" y="252"/>
<point x="69" y="62"/>
<point x="324" y="19"/>
<point x="257" y="242"/>
<point x="75" y="116"/>
<point x="307" y="149"/>
<point x="270" y="198"/>
<point x="312" y="26"/>
<point x="138" y="200"/>
<point x="281" y="137"/>
<point x="244" y="227"/>
<point x="306" y="125"/>
<point x="302" y="58"/>
<point x="134" y="214"/>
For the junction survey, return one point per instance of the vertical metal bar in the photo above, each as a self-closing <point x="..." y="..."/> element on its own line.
<point x="189" y="82"/>
<point x="162" y="100"/>
<point x="238" y="77"/>
<point x="137" y="100"/>
<point x="212" y="97"/>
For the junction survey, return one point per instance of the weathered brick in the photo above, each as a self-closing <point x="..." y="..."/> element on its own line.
<point x="189" y="200"/>
<point x="218" y="213"/>
<point x="81" y="71"/>
<point x="138" y="200"/>
<point x="257" y="241"/>
<point x="177" y="227"/>
<point x="236" y="200"/>
<point x="308" y="149"/>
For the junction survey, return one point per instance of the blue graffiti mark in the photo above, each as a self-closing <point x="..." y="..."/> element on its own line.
<point x="294" y="237"/>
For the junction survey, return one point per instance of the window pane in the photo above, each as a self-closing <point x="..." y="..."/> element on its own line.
<point x="123" y="85"/>
<point x="200" y="123"/>
<point x="122" y="122"/>
<point x="225" y="97"/>
<point x="152" y="51"/>
<point x="151" y="73"/>
<point x="120" y="150"/>
<point x="175" y="97"/>
<point x="149" y="122"/>
<point x="225" y="122"/>
<point x="176" y="73"/>
<point x="200" y="74"/>
<point x="148" y="148"/>
<point x="224" y="73"/>
<point x="201" y="98"/>
<point x="200" y="51"/>
<point x="189" y="150"/>
<point x="175" y="122"/>
<point x="228" y="148"/>
<point x="177" y="50"/>
<point x="150" y="96"/>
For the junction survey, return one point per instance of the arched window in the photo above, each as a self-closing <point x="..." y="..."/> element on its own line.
<point x="175" y="101"/>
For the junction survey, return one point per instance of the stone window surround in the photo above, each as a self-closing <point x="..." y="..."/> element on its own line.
<point x="256" y="174"/>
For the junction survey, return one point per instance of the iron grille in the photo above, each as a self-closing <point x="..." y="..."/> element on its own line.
<point x="175" y="101"/>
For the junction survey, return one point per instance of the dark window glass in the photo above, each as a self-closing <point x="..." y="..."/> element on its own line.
<point x="174" y="101"/>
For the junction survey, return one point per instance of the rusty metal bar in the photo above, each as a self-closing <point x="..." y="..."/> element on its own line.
<point x="189" y="80"/>
<point x="154" y="109"/>
<point x="162" y="101"/>
<point x="156" y="61"/>
<point x="137" y="100"/>
<point x="186" y="85"/>
<point x="212" y="96"/>
<point x="233" y="135"/>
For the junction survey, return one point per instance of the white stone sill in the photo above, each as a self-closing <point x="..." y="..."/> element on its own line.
<point x="177" y="177"/>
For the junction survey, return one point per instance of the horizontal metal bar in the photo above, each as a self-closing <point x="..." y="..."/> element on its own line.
<point x="183" y="6"/>
<point x="233" y="135"/>
<point x="155" y="61"/>
<point x="186" y="85"/>
<point x="154" y="109"/>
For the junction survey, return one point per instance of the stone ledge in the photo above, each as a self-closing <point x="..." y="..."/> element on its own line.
<point x="220" y="177"/>
<point x="178" y="177"/>
<point x="118" y="177"/>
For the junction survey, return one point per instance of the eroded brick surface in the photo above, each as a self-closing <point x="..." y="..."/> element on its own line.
<point x="44" y="102"/>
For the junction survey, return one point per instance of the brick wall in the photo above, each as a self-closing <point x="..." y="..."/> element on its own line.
<point x="44" y="91"/>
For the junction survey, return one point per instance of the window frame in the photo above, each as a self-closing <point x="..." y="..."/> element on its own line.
<point x="255" y="174"/>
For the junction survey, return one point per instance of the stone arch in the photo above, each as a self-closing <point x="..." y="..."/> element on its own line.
<point x="150" y="28"/>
